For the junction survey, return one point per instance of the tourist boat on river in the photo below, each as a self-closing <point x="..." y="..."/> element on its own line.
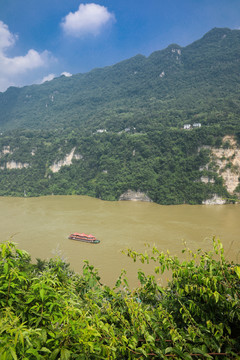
<point x="84" y="237"/>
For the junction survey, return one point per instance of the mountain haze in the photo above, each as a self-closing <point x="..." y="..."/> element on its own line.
<point x="121" y="127"/>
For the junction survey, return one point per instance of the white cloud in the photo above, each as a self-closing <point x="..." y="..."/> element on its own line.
<point x="89" y="19"/>
<point x="51" y="76"/>
<point x="67" y="74"/>
<point x="20" y="64"/>
<point x="13" y="67"/>
<point x="48" y="78"/>
<point x="6" y="38"/>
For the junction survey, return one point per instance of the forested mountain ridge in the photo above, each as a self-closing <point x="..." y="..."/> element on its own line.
<point x="170" y="87"/>
<point x="121" y="127"/>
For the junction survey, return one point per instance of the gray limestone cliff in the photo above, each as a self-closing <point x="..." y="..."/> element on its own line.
<point x="134" y="196"/>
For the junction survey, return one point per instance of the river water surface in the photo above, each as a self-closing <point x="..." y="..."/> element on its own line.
<point x="42" y="225"/>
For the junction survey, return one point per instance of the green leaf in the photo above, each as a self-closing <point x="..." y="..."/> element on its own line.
<point x="150" y="338"/>
<point x="42" y="294"/>
<point x="13" y="352"/>
<point x="187" y="356"/>
<point x="237" y="271"/>
<point x="216" y="295"/>
<point x="52" y="334"/>
<point x="44" y="349"/>
<point x="199" y="351"/>
<point x="30" y="299"/>
<point x="65" y="354"/>
<point x="179" y="352"/>
<point x="44" y="335"/>
<point x="54" y="354"/>
<point x="34" y="352"/>
<point x="124" y="338"/>
<point x="168" y="350"/>
<point x="142" y="351"/>
<point x="5" y="268"/>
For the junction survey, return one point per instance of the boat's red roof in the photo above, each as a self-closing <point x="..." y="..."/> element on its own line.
<point x="82" y="234"/>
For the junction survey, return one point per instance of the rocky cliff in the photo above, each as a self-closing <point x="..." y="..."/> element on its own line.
<point x="134" y="196"/>
<point x="225" y="161"/>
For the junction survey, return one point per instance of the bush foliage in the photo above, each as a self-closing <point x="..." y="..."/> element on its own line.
<point x="49" y="312"/>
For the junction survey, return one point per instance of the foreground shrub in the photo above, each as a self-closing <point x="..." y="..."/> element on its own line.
<point x="49" y="312"/>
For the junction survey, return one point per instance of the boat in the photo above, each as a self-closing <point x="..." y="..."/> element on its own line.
<point x="84" y="237"/>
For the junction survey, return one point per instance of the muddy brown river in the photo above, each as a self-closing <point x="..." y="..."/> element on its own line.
<point x="42" y="225"/>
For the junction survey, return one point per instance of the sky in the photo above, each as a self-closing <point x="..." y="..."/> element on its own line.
<point x="43" y="39"/>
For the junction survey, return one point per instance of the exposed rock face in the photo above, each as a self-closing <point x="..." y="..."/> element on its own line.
<point x="227" y="161"/>
<point x="14" y="165"/>
<point x="215" y="200"/>
<point x="134" y="196"/>
<point x="77" y="156"/>
<point x="207" y="179"/>
<point x="66" y="161"/>
<point x="6" y="150"/>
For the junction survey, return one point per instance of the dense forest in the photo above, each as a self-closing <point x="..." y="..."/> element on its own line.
<point x="125" y="125"/>
<point x="164" y="164"/>
<point x="49" y="312"/>
<point x="197" y="83"/>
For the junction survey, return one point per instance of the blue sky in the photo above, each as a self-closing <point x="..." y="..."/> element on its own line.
<point x="42" y="39"/>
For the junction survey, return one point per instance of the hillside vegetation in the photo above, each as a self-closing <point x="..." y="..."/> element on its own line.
<point x="121" y="127"/>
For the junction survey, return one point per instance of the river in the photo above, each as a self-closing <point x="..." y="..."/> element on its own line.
<point x="42" y="225"/>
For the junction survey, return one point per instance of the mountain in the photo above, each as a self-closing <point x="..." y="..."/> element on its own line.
<point x="170" y="87"/>
<point x="121" y="127"/>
